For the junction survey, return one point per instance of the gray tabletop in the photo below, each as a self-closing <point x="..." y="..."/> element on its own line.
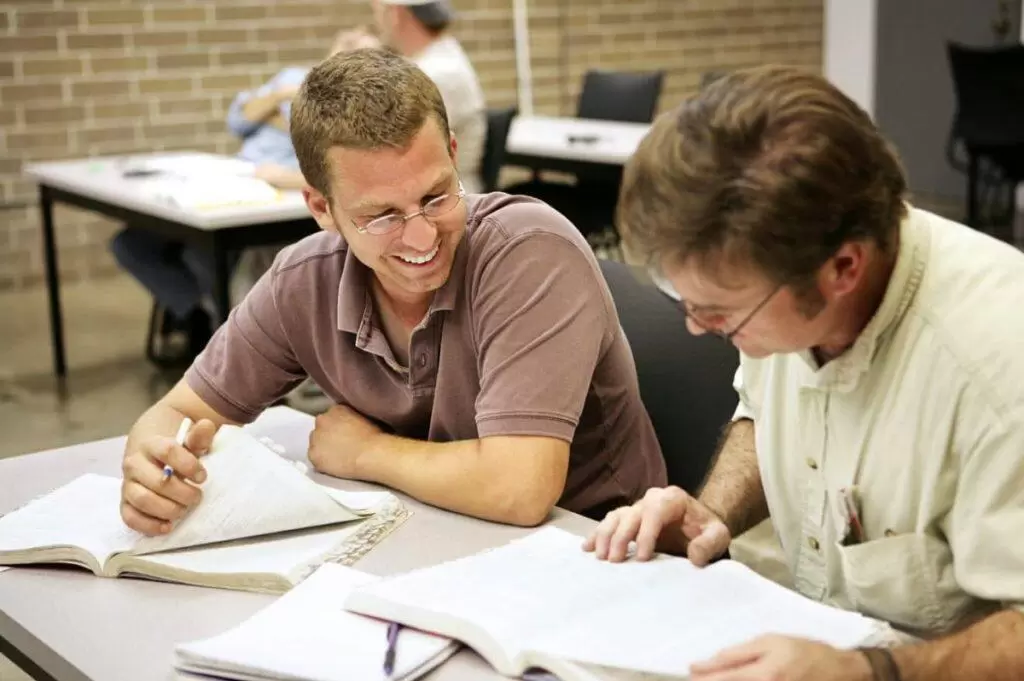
<point x="76" y="626"/>
<point x="103" y="179"/>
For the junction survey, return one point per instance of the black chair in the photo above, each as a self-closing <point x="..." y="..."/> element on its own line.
<point x="498" y="123"/>
<point x="608" y="96"/>
<point x="989" y="120"/>
<point x="685" y="380"/>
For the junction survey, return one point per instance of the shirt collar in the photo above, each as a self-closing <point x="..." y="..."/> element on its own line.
<point x="844" y="372"/>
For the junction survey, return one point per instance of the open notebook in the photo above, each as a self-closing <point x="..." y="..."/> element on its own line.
<point x="262" y="525"/>
<point x="542" y="602"/>
<point x="306" y="635"/>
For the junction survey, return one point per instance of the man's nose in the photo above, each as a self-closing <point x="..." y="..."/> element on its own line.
<point x="419" y="234"/>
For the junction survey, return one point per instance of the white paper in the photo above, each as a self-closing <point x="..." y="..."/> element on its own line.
<point x="306" y="634"/>
<point x="544" y="593"/>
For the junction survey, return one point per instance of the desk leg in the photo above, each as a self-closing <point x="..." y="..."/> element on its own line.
<point x="221" y="281"/>
<point x="53" y="285"/>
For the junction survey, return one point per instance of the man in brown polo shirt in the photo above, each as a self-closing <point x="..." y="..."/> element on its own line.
<point x="469" y="341"/>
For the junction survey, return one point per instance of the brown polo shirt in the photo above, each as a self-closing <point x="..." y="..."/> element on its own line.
<point x="523" y="339"/>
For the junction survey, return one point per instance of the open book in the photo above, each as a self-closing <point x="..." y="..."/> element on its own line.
<point x="262" y="525"/>
<point x="542" y="602"/>
<point x="306" y="635"/>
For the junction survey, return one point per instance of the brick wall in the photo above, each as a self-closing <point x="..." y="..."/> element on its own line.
<point x="93" y="77"/>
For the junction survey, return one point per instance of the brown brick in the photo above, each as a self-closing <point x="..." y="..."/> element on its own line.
<point x="177" y="15"/>
<point x="6" y="69"/>
<point x="301" y="10"/>
<point x="152" y="131"/>
<point x="231" y="82"/>
<point x="47" y="18"/>
<point x="100" y="88"/>
<point x="176" y="107"/>
<point x="105" y="17"/>
<point x="243" y="57"/>
<point x="8" y="116"/>
<point x="10" y="166"/>
<point x="121" y="146"/>
<point x="149" y="86"/>
<point x="299" y="55"/>
<point x="217" y="36"/>
<point x="279" y="34"/>
<point x="5" y="21"/>
<point x="225" y="12"/>
<point x="11" y="44"/>
<point x="28" y="140"/>
<point x="88" y="136"/>
<point x="52" y="67"/>
<point x="58" y="113"/>
<point x="160" y="38"/>
<point x="29" y="93"/>
<point x="184" y="60"/>
<point x="100" y="41"/>
<point x="104" y="110"/>
<point x="118" y="64"/>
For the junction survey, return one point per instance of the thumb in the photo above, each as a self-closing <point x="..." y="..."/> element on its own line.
<point x="200" y="437"/>
<point x="711" y="543"/>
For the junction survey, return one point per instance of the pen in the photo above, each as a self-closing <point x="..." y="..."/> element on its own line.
<point x="180" y="439"/>
<point x="852" y="514"/>
<point x="389" y="653"/>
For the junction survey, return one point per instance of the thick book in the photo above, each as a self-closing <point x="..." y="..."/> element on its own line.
<point x="262" y="525"/>
<point x="306" y="635"/>
<point x="541" y="602"/>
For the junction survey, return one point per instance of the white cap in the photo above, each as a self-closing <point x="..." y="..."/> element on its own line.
<point x="431" y="13"/>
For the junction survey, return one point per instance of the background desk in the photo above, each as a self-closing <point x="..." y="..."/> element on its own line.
<point x="569" y="144"/>
<point x="68" y="625"/>
<point x="99" y="185"/>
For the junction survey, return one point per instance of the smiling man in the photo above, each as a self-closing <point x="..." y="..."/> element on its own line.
<point x="469" y="341"/>
<point x="880" y="421"/>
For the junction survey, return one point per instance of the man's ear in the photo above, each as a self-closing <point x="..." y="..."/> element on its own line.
<point x="320" y="208"/>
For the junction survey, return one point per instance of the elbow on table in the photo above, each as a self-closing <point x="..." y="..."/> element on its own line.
<point x="528" y="506"/>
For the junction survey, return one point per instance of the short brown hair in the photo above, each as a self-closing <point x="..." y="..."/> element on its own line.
<point x="364" y="99"/>
<point x="770" y="166"/>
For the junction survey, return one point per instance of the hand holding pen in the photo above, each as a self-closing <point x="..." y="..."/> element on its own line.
<point x="161" y="476"/>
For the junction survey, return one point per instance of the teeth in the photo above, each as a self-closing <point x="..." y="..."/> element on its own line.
<point x="426" y="257"/>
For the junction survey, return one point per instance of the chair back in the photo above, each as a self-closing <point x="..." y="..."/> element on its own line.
<point x="989" y="86"/>
<point x="685" y="380"/>
<point x="498" y="123"/>
<point x="620" y="96"/>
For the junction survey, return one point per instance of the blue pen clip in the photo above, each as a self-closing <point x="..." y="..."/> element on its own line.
<point x="389" y="652"/>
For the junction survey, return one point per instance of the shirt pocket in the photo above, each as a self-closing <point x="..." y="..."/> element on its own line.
<point x="905" y="579"/>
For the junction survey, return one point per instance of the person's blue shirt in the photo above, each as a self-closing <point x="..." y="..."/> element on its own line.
<point x="264" y="143"/>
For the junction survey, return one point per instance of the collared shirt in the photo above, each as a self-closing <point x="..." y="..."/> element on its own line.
<point x="923" y="419"/>
<point x="265" y="143"/>
<point x="446" y="63"/>
<point x="523" y="339"/>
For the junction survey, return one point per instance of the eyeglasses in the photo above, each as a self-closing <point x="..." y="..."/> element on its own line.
<point x="434" y="208"/>
<point x="710" y="323"/>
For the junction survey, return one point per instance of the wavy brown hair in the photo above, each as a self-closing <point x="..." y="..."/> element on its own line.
<point x="770" y="166"/>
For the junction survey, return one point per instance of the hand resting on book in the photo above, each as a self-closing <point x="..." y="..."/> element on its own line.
<point x="666" y="519"/>
<point x="151" y="504"/>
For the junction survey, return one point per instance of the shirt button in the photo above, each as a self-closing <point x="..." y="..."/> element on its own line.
<point x="422" y="360"/>
<point x="813" y="543"/>
<point x="812" y="464"/>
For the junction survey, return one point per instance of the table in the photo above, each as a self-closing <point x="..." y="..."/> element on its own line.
<point x="569" y="143"/>
<point x="69" y="625"/>
<point x="100" y="185"/>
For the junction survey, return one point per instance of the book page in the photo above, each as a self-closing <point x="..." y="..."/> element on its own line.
<point x="544" y="594"/>
<point x="85" y="513"/>
<point x="306" y="634"/>
<point x="249" y="491"/>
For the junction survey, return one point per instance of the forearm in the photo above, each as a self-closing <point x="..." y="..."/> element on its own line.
<point x="990" y="650"/>
<point x="259" y="109"/>
<point x="733" y="487"/>
<point x="292" y="179"/>
<point x="465" y="476"/>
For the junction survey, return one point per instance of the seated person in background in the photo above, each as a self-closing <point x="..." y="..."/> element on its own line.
<point x="418" y="29"/>
<point x="180" y="277"/>
<point x="469" y="342"/>
<point x="881" y="384"/>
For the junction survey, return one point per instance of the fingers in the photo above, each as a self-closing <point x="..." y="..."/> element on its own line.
<point x="601" y="537"/>
<point x="165" y="450"/>
<point x="711" y="543"/>
<point x="625" y="532"/>
<point x="730" y="659"/>
<point x="140" y="522"/>
<point x="151" y="503"/>
<point x="200" y="437"/>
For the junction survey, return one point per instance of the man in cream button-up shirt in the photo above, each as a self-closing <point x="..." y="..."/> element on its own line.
<point x="881" y="415"/>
